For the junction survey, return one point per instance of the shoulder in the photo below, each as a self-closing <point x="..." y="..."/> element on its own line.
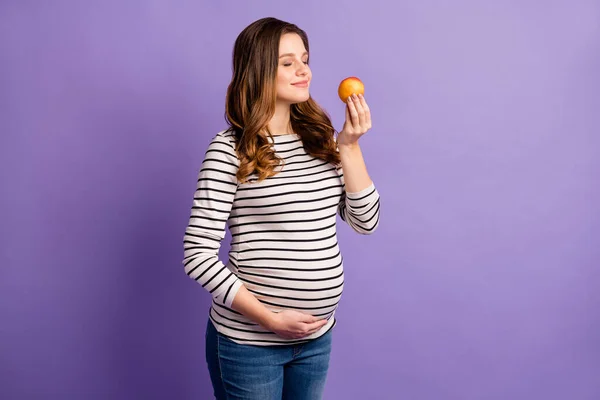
<point x="221" y="150"/>
<point x="223" y="144"/>
<point x="224" y="138"/>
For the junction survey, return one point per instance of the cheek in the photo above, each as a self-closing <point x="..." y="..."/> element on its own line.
<point x="283" y="81"/>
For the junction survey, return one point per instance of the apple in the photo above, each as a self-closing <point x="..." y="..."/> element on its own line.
<point x="349" y="86"/>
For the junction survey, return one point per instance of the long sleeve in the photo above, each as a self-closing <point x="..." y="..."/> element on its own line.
<point x="213" y="199"/>
<point x="360" y="210"/>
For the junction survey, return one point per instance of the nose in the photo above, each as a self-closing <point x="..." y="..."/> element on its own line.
<point x="303" y="70"/>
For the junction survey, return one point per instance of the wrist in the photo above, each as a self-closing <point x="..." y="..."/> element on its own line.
<point x="348" y="147"/>
<point x="268" y="320"/>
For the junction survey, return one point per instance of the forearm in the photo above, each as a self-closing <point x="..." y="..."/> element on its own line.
<point x="356" y="177"/>
<point x="248" y="305"/>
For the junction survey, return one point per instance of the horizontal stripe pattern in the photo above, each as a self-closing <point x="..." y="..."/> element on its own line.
<point x="284" y="247"/>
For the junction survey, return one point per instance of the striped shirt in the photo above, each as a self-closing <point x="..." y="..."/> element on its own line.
<point x="284" y="247"/>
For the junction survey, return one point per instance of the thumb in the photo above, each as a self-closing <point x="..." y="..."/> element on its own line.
<point x="309" y="318"/>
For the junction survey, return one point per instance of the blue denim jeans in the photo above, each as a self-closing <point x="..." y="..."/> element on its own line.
<point x="239" y="371"/>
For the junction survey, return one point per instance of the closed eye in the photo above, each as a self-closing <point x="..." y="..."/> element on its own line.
<point x="289" y="64"/>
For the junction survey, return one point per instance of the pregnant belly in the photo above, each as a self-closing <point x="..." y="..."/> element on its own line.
<point x="315" y="292"/>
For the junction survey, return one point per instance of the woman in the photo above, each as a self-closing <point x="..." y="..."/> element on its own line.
<point x="275" y="178"/>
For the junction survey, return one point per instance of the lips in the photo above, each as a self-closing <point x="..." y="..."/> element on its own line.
<point x="300" y="84"/>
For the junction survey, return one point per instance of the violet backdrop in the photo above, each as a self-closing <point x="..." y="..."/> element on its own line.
<point x="482" y="281"/>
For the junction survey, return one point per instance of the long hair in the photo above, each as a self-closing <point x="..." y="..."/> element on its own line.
<point x="250" y="102"/>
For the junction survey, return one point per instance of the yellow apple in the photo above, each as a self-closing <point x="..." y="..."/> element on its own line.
<point x="349" y="86"/>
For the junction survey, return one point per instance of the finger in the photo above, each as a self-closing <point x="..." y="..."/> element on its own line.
<point x="348" y="117"/>
<point x="361" y="112"/>
<point x="307" y="318"/>
<point x="353" y="113"/>
<point x="365" y="106"/>
<point x="316" y="325"/>
<point x="316" y="329"/>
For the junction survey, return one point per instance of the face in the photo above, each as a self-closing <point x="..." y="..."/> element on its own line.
<point x="293" y="72"/>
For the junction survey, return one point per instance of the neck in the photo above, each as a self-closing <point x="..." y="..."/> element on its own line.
<point x="280" y="123"/>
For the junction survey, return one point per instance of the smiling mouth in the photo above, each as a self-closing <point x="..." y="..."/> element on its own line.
<point x="300" y="84"/>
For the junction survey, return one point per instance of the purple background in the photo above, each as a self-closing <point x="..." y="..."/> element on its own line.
<point x="482" y="281"/>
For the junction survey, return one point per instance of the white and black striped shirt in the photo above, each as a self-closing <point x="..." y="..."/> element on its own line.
<point x="284" y="248"/>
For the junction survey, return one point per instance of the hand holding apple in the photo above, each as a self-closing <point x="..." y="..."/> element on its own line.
<point x="358" y="114"/>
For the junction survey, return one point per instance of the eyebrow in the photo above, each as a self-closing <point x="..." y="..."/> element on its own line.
<point x="292" y="54"/>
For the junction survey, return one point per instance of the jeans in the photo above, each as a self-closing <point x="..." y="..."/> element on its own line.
<point x="239" y="371"/>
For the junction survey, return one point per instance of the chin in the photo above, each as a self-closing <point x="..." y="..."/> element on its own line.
<point x="300" y="99"/>
<point x="295" y="98"/>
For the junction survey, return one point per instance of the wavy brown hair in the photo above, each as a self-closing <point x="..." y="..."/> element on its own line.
<point x="250" y="102"/>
